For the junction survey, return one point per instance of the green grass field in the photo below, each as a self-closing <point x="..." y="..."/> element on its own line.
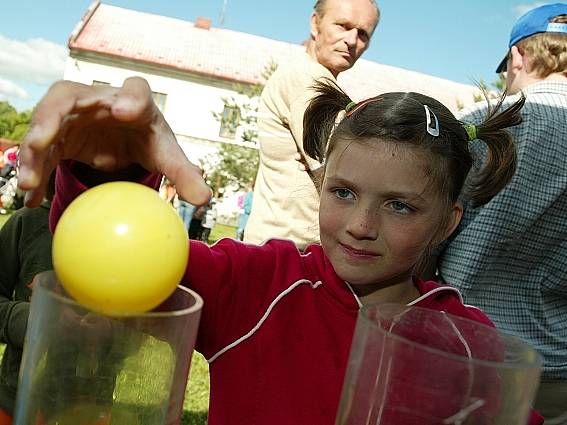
<point x="195" y="406"/>
<point x="222" y="231"/>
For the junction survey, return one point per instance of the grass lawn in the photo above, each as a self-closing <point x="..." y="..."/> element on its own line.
<point x="195" y="406"/>
<point x="220" y="231"/>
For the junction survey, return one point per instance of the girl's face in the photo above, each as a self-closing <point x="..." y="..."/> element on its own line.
<point x="378" y="213"/>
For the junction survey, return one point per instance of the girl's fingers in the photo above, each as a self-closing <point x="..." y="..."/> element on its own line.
<point x="47" y="121"/>
<point x="187" y="177"/>
<point x="133" y="102"/>
<point x="58" y="131"/>
<point x="34" y="197"/>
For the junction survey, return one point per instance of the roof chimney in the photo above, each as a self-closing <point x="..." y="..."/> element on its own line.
<point x="203" y="23"/>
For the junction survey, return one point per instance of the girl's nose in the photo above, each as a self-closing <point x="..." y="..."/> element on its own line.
<point x="363" y="224"/>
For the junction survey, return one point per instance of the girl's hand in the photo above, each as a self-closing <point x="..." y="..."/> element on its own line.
<point x="107" y="128"/>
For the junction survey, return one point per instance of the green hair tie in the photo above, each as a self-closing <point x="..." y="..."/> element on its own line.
<point x="470" y="129"/>
<point x="350" y="106"/>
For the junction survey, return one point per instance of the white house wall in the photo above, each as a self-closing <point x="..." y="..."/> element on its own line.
<point x="189" y="105"/>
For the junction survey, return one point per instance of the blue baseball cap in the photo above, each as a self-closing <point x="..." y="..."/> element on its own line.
<point x="536" y="21"/>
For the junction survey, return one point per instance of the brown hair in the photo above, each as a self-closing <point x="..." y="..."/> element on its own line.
<point x="547" y="52"/>
<point x="401" y="118"/>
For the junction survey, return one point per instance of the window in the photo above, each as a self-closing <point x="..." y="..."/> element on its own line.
<point x="229" y="121"/>
<point x="159" y="99"/>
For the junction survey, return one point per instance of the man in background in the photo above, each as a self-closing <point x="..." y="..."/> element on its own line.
<point x="285" y="197"/>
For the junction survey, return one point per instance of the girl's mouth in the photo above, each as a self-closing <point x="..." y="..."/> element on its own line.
<point x="358" y="253"/>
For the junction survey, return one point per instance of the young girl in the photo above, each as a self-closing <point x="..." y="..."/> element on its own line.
<point x="277" y="323"/>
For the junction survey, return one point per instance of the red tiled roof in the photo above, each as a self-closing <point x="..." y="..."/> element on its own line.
<point x="232" y="55"/>
<point x="175" y="43"/>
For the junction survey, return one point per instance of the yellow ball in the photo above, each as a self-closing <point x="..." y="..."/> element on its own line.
<point x="120" y="249"/>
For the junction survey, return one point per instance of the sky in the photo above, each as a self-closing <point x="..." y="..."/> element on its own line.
<point x="460" y="40"/>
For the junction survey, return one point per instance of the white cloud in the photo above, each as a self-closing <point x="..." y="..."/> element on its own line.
<point x="35" y="61"/>
<point x="9" y="89"/>
<point x="526" y="7"/>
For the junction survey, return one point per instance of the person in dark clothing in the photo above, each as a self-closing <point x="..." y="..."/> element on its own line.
<point x="25" y="241"/>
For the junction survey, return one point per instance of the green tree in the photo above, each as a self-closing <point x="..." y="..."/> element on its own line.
<point x="487" y="91"/>
<point x="234" y="165"/>
<point x="13" y="124"/>
<point x="500" y="83"/>
<point x="244" y="106"/>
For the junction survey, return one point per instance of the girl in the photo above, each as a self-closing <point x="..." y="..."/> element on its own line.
<point x="277" y="323"/>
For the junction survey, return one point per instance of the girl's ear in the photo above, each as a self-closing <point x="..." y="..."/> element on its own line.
<point x="451" y="223"/>
<point x="454" y="219"/>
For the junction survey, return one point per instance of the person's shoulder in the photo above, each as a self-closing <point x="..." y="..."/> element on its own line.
<point x="276" y="245"/>
<point x="480" y="110"/>
<point x="448" y="299"/>
<point x="25" y="214"/>
<point x="300" y="68"/>
<point x="269" y="247"/>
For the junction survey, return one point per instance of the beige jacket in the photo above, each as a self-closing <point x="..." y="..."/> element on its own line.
<point x="286" y="202"/>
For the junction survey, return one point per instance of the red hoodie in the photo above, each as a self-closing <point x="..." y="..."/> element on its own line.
<point x="276" y="326"/>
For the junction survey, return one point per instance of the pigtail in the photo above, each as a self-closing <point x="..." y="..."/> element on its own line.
<point x="500" y="163"/>
<point x="320" y="116"/>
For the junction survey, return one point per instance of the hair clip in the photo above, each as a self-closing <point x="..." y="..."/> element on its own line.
<point x="352" y="107"/>
<point x="470" y="129"/>
<point x="434" y="131"/>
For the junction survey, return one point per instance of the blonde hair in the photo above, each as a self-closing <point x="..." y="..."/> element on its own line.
<point x="546" y="52"/>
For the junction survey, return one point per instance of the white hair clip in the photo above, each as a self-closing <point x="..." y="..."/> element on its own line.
<point x="433" y="130"/>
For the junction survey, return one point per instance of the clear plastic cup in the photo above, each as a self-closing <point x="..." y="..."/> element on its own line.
<point x="416" y="366"/>
<point x="83" y="368"/>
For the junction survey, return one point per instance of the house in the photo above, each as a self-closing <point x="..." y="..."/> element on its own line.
<point x="192" y="66"/>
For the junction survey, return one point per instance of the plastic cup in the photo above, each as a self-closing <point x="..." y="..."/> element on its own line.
<point x="411" y="365"/>
<point x="83" y="368"/>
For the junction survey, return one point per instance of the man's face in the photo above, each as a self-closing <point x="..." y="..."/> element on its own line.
<point x="343" y="33"/>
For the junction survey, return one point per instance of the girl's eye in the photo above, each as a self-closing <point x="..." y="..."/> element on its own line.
<point x="343" y="193"/>
<point x="400" y="207"/>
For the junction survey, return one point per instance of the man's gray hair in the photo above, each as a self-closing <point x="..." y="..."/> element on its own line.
<point x="319" y="7"/>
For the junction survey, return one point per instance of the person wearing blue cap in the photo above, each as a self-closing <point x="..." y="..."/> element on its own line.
<point x="509" y="257"/>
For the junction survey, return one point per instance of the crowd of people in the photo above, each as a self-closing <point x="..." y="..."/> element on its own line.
<point x="11" y="198"/>
<point x="396" y="200"/>
<point x="199" y="220"/>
